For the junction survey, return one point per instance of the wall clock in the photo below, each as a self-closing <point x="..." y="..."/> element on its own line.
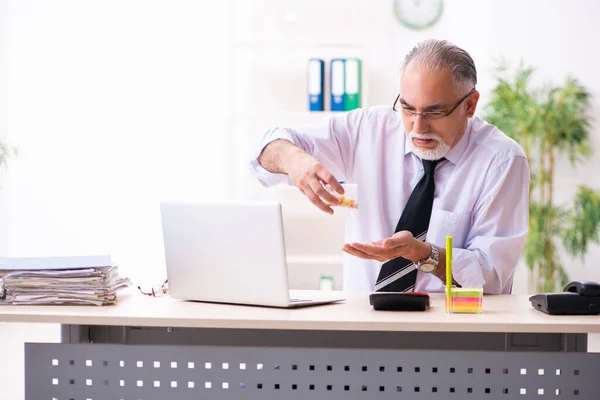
<point x="418" y="14"/>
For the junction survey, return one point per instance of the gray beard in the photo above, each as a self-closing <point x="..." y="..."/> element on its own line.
<point x="436" y="153"/>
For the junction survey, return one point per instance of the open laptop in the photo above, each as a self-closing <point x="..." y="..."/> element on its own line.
<point x="230" y="252"/>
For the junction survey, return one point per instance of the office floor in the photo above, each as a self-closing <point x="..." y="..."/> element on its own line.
<point x="12" y="337"/>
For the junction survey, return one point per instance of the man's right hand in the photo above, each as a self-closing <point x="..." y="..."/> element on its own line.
<point x="305" y="171"/>
<point x="310" y="176"/>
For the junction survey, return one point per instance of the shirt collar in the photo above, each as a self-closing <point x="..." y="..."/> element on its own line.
<point x="455" y="153"/>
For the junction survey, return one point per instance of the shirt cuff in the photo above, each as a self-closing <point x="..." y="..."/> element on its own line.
<point x="466" y="269"/>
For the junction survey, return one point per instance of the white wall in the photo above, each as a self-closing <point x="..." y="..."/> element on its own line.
<point x="3" y="111"/>
<point x="114" y="106"/>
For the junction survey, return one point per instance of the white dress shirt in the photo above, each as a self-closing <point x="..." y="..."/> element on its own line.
<point x="481" y="193"/>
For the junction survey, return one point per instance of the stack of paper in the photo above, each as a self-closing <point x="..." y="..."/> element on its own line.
<point x="60" y="280"/>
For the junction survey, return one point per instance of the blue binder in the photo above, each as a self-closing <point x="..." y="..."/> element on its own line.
<point x="316" y="84"/>
<point x="337" y="66"/>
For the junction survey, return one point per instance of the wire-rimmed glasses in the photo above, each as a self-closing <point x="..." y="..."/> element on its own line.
<point x="156" y="291"/>
<point x="430" y="115"/>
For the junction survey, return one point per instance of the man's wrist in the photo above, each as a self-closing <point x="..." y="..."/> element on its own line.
<point x="425" y="250"/>
<point x="286" y="150"/>
<point x="440" y="270"/>
<point x="422" y="251"/>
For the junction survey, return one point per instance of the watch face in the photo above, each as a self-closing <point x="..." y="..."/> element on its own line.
<point x="426" y="267"/>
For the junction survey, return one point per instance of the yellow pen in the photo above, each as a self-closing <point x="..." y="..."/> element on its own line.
<point x="448" y="271"/>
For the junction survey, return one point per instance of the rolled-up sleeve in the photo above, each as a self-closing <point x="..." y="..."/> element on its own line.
<point x="500" y="227"/>
<point x="331" y="143"/>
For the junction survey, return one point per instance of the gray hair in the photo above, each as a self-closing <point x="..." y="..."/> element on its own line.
<point x="441" y="54"/>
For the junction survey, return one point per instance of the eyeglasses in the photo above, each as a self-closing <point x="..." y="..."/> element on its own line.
<point x="156" y="291"/>
<point x="431" y="115"/>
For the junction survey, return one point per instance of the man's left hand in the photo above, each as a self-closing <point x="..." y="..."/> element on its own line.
<point x="401" y="244"/>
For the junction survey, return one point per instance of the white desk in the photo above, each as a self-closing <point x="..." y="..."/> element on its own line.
<point x="345" y="350"/>
<point x="501" y="314"/>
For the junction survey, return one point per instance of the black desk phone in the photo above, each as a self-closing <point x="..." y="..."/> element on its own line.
<point x="394" y="301"/>
<point x="577" y="298"/>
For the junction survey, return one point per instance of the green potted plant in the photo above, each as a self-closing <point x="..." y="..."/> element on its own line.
<point x="5" y="152"/>
<point x="549" y="122"/>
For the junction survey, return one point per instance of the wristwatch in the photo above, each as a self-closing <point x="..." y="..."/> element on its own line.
<point x="430" y="263"/>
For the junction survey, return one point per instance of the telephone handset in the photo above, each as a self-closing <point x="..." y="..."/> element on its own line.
<point x="588" y="289"/>
<point x="577" y="298"/>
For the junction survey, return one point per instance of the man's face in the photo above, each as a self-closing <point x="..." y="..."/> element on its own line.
<point x="423" y="90"/>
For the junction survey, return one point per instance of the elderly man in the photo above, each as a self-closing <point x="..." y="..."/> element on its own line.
<point x="425" y="168"/>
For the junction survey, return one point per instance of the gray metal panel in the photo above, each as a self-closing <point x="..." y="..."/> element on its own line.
<point x="129" y="372"/>
<point x="341" y="339"/>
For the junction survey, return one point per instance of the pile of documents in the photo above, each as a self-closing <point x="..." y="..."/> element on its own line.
<point x="60" y="280"/>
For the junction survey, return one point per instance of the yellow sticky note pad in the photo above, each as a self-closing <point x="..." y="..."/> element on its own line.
<point x="465" y="300"/>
